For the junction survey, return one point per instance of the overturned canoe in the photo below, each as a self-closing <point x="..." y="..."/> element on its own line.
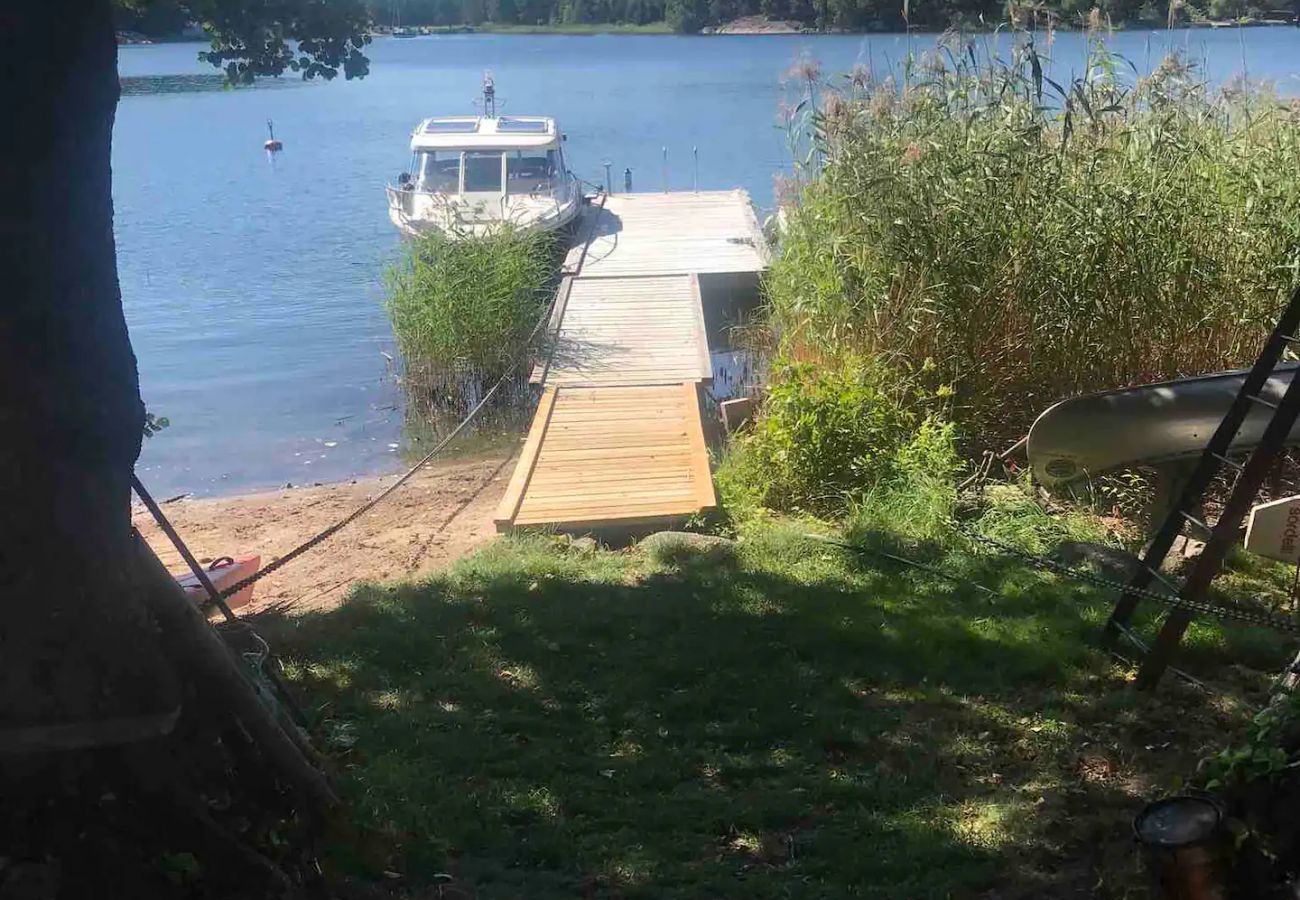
<point x="1147" y="424"/>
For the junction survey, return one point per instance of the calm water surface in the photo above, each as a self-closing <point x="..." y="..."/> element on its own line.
<point x="253" y="287"/>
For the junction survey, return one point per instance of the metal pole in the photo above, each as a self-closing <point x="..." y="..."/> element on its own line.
<point x="695" y="152"/>
<point x="214" y="595"/>
<point x="609" y="185"/>
<point x="665" y="170"/>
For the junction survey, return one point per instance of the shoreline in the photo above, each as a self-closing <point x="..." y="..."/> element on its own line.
<point x="725" y="29"/>
<point x="443" y="512"/>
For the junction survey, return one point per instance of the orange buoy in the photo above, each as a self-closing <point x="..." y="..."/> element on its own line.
<point x="272" y="145"/>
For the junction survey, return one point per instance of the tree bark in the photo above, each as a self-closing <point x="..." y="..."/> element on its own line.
<point x="81" y="663"/>
<point x="210" y="664"/>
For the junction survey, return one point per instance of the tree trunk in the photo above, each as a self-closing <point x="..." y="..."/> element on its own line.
<point x="81" y="661"/>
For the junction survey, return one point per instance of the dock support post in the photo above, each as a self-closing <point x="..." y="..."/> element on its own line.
<point x="609" y="185"/>
<point x="665" y="170"/>
<point x="695" y="153"/>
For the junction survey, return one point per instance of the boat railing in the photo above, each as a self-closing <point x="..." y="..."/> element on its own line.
<point x="453" y="209"/>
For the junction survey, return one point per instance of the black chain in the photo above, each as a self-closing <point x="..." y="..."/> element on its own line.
<point x="1250" y="617"/>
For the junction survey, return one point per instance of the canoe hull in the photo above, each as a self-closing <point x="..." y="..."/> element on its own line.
<point x="1145" y="425"/>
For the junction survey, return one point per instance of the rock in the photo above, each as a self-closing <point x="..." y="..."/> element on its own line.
<point x="759" y="25"/>
<point x="683" y="548"/>
<point x="583" y="545"/>
<point x="1109" y="562"/>
<point x="1181" y="554"/>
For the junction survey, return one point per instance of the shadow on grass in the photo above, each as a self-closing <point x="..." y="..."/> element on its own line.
<point x="798" y="723"/>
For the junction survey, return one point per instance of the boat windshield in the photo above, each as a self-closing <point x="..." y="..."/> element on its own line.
<point x="531" y="174"/>
<point x="437" y="171"/>
<point x="526" y="171"/>
<point x="483" y="172"/>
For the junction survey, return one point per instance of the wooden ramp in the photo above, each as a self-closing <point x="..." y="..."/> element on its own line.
<point x="620" y="331"/>
<point x="611" y="456"/>
<point x="617" y="441"/>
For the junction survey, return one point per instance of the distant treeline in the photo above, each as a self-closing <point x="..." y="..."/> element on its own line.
<point x="852" y="15"/>
<point x="162" y="17"/>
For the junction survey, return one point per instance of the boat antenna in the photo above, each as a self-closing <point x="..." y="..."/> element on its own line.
<point x="489" y="96"/>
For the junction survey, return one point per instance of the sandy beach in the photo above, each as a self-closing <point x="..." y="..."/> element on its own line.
<point x="442" y="512"/>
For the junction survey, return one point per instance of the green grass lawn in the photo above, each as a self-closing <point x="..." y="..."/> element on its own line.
<point x="793" y="720"/>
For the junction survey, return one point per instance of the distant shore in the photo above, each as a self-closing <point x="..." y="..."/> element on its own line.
<point x="762" y="25"/>
<point x="746" y="25"/>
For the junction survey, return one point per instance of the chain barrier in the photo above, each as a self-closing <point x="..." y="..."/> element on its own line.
<point x="1216" y="610"/>
<point x="1171" y="599"/>
<point x="1248" y="616"/>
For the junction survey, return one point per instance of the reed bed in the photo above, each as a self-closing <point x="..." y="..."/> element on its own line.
<point x="1014" y="240"/>
<point x="464" y="311"/>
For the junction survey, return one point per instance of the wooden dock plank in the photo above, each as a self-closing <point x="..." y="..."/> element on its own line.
<point x="686" y="233"/>
<point x="514" y="495"/>
<point x="629" y="331"/>
<point x="591" y="458"/>
<point x="617" y="439"/>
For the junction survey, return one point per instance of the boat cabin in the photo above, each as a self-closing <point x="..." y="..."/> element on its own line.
<point x="478" y="155"/>
<point x="469" y="172"/>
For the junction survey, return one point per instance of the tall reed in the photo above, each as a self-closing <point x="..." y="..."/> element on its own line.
<point x="463" y="311"/>
<point x="984" y="227"/>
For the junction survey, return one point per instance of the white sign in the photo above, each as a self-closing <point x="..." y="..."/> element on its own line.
<point x="1274" y="530"/>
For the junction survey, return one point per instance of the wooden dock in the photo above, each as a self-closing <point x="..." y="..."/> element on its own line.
<point x="617" y="441"/>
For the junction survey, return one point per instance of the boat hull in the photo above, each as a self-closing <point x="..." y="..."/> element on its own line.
<point x="1145" y="425"/>
<point x="462" y="221"/>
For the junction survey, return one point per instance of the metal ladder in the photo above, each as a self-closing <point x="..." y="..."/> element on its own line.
<point x="1223" y="534"/>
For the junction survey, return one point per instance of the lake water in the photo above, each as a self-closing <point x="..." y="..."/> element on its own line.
<point x="253" y="287"/>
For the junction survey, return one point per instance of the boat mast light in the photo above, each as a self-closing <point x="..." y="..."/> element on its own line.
<point x="489" y="96"/>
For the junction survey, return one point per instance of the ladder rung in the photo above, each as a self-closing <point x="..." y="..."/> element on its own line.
<point x="1163" y="580"/>
<point x="1226" y="461"/>
<point x="1136" y="641"/>
<point x="1256" y="398"/>
<point x="1195" y="521"/>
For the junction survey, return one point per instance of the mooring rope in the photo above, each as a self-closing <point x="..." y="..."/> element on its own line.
<point x="324" y="535"/>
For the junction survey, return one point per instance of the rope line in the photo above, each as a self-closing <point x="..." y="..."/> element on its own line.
<point x="364" y="508"/>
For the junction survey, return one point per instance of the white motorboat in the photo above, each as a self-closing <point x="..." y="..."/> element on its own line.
<point x="472" y="174"/>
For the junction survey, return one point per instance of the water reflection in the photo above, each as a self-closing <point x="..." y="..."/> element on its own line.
<point x="139" y="85"/>
<point x="432" y="413"/>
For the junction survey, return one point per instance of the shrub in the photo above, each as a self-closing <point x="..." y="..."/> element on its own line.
<point x="1037" y="240"/>
<point x="467" y="306"/>
<point x="829" y="433"/>
<point x="917" y="496"/>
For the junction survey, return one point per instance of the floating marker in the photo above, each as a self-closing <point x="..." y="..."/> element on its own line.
<point x="272" y="145"/>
